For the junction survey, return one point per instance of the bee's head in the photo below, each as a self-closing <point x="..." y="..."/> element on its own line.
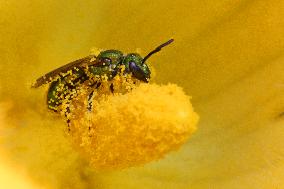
<point x="135" y="64"/>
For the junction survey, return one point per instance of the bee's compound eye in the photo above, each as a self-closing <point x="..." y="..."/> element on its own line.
<point x="132" y="66"/>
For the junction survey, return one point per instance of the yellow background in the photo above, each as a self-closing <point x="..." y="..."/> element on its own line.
<point x="228" y="55"/>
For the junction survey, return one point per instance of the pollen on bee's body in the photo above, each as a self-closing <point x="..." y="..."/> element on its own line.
<point x="122" y="68"/>
<point x="92" y="59"/>
<point x="95" y="51"/>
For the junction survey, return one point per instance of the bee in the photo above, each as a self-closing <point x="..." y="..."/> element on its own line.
<point x="65" y="81"/>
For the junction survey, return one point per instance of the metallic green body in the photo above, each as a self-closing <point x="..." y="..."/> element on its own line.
<point x="106" y="63"/>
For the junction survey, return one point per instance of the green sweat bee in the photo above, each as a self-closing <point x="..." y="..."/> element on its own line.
<point x="65" y="80"/>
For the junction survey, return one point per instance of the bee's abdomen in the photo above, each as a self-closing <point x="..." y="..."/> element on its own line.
<point x="55" y="95"/>
<point x="65" y="88"/>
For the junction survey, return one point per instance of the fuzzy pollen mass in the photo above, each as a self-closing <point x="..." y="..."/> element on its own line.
<point x="133" y="128"/>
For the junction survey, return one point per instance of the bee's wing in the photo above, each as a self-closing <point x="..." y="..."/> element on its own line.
<point x="63" y="69"/>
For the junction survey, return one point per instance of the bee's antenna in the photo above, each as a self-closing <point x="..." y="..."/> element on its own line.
<point x="157" y="50"/>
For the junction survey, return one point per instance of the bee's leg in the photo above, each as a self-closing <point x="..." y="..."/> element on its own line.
<point x="67" y="115"/>
<point x="111" y="88"/>
<point x="90" y="101"/>
<point x="96" y="85"/>
<point x="72" y="93"/>
<point x="73" y="83"/>
<point x="89" y="108"/>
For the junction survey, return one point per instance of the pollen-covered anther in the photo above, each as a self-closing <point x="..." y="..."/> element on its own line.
<point x="132" y="128"/>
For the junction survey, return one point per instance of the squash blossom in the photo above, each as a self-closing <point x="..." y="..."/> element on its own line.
<point x="227" y="55"/>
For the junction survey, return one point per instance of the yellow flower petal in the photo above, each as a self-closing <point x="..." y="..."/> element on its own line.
<point x="228" y="55"/>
